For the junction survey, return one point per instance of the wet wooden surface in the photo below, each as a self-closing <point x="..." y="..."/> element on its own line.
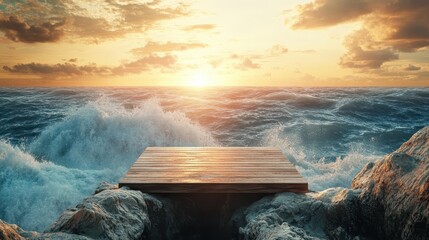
<point x="213" y="170"/>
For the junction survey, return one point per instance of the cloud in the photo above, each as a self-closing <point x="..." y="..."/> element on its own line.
<point x="395" y="25"/>
<point x="144" y="14"/>
<point x="17" y="30"/>
<point x="199" y="27"/>
<point x="153" y="47"/>
<point x="278" y="50"/>
<point x="411" y="67"/>
<point x="71" y="69"/>
<point x="93" y="28"/>
<point x="215" y="62"/>
<point x="146" y="63"/>
<point x="247" y="63"/>
<point x="305" y="51"/>
<point x="402" y="24"/>
<point x="364" y="52"/>
<point x="323" y="13"/>
<point x="88" y="20"/>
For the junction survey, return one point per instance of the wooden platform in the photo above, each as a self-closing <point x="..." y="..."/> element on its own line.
<point x="213" y="170"/>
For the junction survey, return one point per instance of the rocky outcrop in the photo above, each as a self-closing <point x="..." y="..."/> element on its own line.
<point x="327" y="214"/>
<point x="395" y="191"/>
<point x="9" y="231"/>
<point x="120" y="213"/>
<point x="389" y="199"/>
<point x="110" y="213"/>
<point x="13" y="232"/>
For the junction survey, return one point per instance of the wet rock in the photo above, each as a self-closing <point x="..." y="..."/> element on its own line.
<point x="105" y="186"/>
<point x="298" y="216"/>
<point x="389" y="199"/>
<point x="395" y="191"/>
<point x="53" y="236"/>
<point x="9" y="231"/>
<point x="108" y="214"/>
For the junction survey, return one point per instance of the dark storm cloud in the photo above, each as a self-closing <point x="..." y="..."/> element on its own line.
<point x="17" y="30"/>
<point x="111" y="19"/>
<point x="398" y="25"/>
<point x="153" y="47"/>
<point x="411" y="67"/>
<point x="71" y="69"/>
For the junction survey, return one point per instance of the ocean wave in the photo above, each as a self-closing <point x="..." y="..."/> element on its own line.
<point x="104" y="134"/>
<point x="94" y="143"/>
<point x="33" y="193"/>
<point x="59" y="143"/>
<point x="319" y="173"/>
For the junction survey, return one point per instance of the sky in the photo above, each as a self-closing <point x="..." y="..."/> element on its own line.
<point x="323" y="43"/>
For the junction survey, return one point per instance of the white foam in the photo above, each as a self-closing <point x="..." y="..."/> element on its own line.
<point x="320" y="174"/>
<point x="103" y="134"/>
<point x="33" y="193"/>
<point x="97" y="142"/>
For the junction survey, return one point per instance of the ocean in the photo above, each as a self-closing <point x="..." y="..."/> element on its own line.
<point x="58" y="144"/>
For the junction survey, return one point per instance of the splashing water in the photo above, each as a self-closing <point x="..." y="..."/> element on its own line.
<point x="68" y="160"/>
<point x="56" y="145"/>
<point x="319" y="173"/>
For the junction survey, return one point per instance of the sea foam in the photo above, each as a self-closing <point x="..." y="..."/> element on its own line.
<point x="94" y="143"/>
<point x="319" y="173"/>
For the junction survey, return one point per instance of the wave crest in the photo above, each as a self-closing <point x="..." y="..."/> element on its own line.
<point x="104" y="134"/>
<point x="94" y="143"/>
<point x="319" y="173"/>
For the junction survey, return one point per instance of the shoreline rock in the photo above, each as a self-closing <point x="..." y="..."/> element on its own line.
<point x="395" y="191"/>
<point x="389" y="199"/>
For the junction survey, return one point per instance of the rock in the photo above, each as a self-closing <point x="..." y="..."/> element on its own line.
<point x="108" y="214"/>
<point x="13" y="232"/>
<point x="9" y="231"/>
<point x="113" y="213"/>
<point x="395" y="191"/>
<point x="105" y="186"/>
<point x="389" y="199"/>
<point x="299" y="216"/>
<point x="53" y="236"/>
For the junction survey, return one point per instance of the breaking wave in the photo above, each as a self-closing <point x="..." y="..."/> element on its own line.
<point x="321" y="173"/>
<point x="57" y="145"/>
<point x="97" y="142"/>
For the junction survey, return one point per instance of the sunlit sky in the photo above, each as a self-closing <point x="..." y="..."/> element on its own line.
<point x="214" y="43"/>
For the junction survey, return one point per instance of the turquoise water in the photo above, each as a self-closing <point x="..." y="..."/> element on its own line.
<point x="57" y="144"/>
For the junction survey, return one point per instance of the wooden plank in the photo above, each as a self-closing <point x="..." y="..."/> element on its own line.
<point x="224" y="164"/>
<point x="214" y="173"/>
<point x="217" y="188"/>
<point x="215" y="180"/>
<point x="213" y="169"/>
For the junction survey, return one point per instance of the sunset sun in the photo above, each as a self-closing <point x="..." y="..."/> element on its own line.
<point x="200" y="79"/>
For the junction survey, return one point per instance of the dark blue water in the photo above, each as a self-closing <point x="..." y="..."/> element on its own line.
<point x="57" y="144"/>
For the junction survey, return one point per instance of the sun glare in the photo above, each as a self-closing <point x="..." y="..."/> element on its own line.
<point x="200" y="79"/>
